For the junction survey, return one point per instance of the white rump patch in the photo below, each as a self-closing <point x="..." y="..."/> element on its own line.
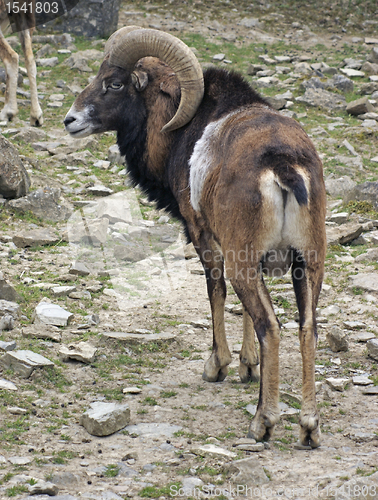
<point x="202" y="160"/>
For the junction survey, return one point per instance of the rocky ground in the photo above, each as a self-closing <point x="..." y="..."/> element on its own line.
<point x="101" y="302"/>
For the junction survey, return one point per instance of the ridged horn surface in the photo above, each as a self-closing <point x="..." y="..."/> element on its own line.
<point x="127" y="45"/>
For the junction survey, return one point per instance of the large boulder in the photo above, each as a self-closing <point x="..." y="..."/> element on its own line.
<point x="367" y="191"/>
<point x="322" y="99"/>
<point x="89" y="18"/>
<point x="45" y="203"/>
<point x="14" y="179"/>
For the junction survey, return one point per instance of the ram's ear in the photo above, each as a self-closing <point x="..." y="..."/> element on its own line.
<point x="139" y="79"/>
<point x="171" y="87"/>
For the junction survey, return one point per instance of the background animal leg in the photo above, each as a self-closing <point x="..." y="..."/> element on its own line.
<point x="10" y="60"/>
<point x="307" y="283"/>
<point x="249" y="369"/>
<point x="255" y="298"/>
<point x="216" y="367"/>
<point x="36" y="118"/>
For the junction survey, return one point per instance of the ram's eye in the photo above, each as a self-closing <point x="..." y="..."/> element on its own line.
<point x="116" y="86"/>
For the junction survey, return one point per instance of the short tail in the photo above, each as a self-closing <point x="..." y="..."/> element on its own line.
<point x="291" y="180"/>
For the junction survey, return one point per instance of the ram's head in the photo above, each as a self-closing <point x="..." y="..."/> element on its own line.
<point x="119" y="81"/>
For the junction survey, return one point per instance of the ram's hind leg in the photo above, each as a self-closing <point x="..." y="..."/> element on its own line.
<point x="216" y="367"/>
<point x="307" y="278"/>
<point x="10" y="60"/>
<point x="249" y="369"/>
<point x="251" y="290"/>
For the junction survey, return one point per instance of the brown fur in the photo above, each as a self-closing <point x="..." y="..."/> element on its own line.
<point x="24" y="23"/>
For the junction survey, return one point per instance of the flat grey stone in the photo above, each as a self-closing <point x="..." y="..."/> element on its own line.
<point x="52" y="314"/>
<point x="132" y="390"/>
<point x="337" y="339"/>
<point x="338" y="384"/>
<point x="89" y="231"/>
<point x="341" y="235"/>
<point x="251" y="409"/>
<point x="364" y="336"/>
<point x="45" y="332"/>
<point x="360" y="106"/>
<point x="363" y="437"/>
<point x="81" y="351"/>
<point x="247" y="471"/>
<point x="79" y="269"/>
<point x="340" y="186"/>
<point x="330" y="310"/>
<point x="43" y="488"/>
<point x="82" y="295"/>
<point x="201" y="323"/>
<point x="372" y="347"/>
<point x="20" y="460"/>
<point x="211" y="450"/>
<point x="9" y="307"/>
<point x="140" y="337"/>
<point x="365" y="281"/>
<point x="24" y="362"/>
<point x="7" y="346"/>
<point x="7" y="292"/>
<point x="360" y="380"/>
<point x="16" y="410"/>
<point x="115" y="208"/>
<point x="153" y="429"/>
<point x="354" y="325"/>
<point x="35" y="237"/>
<point x="6" y="384"/>
<point x="49" y="62"/>
<point x="65" y="480"/>
<point x="300" y="446"/>
<point x="251" y="447"/>
<point x="103" y="419"/>
<point x="6" y="323"/>
<point x="100" y="190"/>
<point x="370" y="391"/>
<point x="63" y="291"/>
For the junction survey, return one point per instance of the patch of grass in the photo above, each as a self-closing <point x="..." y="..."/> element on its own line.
<point x="171" y="490"/>
<point x="18" y="489"/>
<point x="149" y="401"/>
<point x="168" y="394"/>
<point x="112" y="470"/>
<point x="362" y="208"/>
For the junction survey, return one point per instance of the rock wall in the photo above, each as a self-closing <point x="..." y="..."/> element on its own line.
<point x="89" y="18"/>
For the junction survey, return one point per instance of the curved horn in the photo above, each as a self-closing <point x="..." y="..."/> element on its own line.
<point x="114" y="38"/>
<point x="127" y="46"/>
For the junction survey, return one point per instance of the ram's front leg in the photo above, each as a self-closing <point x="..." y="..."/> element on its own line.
<point x="216" y="367"/>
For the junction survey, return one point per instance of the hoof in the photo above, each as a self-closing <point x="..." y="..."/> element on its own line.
<point x="309" y="433"/>
<point x="249" y="373"/>
<point x="217" y="377"/>
<point x="309" y="439"/>
<point x="259" y="431"/>
<point x="36" y="122"/>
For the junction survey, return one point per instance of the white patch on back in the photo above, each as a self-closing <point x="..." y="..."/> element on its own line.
<point x="202" y="160"/>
